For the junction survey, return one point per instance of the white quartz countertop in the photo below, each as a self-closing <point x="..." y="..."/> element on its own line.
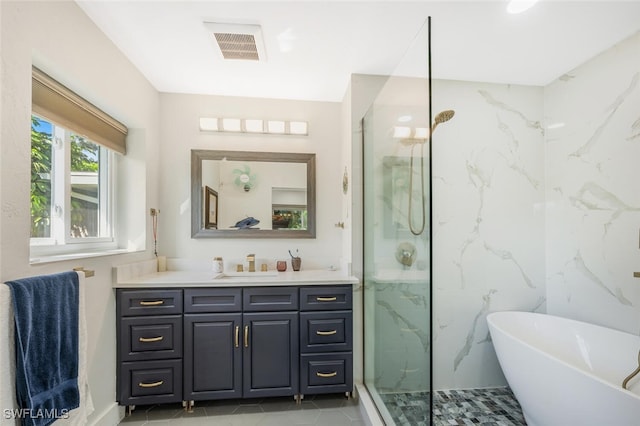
<point x="210" y="279"/>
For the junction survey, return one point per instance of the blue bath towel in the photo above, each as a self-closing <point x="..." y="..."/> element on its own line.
<point x="46" y="318"/>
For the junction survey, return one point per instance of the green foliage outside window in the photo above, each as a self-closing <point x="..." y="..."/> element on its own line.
<point x="84" y="158"/>
<point x="40" y="180"/>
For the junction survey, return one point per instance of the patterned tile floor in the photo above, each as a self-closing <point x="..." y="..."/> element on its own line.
<point x="320" y="410"/>
<point x="490" y="407"/>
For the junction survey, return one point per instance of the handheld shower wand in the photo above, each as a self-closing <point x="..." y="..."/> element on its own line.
<point x="441" y="117"/>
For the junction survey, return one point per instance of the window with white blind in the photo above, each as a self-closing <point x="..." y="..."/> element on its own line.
<point x="73" y="148"/>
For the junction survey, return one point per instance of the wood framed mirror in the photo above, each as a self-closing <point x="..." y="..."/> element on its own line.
<point x="258" y="194"/>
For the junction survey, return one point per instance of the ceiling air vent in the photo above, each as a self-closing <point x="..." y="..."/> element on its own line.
<point x="238" y="41"/>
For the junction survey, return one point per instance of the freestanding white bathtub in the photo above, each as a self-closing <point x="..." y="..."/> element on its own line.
<point x="565" y="372"/>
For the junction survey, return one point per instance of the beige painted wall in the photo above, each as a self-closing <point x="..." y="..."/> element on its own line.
<point x="60" y="39"/>
<point x="180" y="114"/>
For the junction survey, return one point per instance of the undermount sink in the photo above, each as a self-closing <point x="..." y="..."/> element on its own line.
<point x="245" y="274"/>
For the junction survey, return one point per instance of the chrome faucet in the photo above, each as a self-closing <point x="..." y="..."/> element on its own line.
<point x="251" y="258"/>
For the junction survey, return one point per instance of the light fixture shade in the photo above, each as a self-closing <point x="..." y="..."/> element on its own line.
<point x="400" y="132"/>
<point x="421" y="133"/>
<point x="231" y="124"/>
<point x="298" y="128"/>
<point x="275" y="126"/>
<point x="209" y="124"/>
<point x="254" y="126"/>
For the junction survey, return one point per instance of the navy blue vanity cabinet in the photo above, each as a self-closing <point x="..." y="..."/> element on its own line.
<point x="196" y="343"/>
<point x="326" y="339"/>
<point x="213" y="349"/>
<point x="149" y="354"/>
<point x="240" y="342"/>
<point x="270" y="341"/>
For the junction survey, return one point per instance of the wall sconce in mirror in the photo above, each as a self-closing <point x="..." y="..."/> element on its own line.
<point x="246" y="125"/>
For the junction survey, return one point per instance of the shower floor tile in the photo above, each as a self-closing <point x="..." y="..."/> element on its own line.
<point x="495" y="407"/>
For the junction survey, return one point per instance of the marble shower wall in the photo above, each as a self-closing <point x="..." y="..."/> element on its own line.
<point x="593" y="190"/>
<point x="488" y="224"/>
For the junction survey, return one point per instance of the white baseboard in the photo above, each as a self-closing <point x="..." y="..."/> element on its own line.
<point x="111" y="416"/>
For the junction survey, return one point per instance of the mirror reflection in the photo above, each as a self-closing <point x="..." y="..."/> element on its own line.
<point x="238" y="194"/>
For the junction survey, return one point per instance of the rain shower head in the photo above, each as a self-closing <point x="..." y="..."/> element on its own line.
<point x="442" y="117"/>
<point x="445" y="115"/>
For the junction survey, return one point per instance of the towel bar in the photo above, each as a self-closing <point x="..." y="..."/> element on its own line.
<point x="87" y="272"/>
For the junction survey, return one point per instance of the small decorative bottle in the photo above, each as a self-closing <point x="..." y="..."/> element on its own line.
<point x="217" y="265"/>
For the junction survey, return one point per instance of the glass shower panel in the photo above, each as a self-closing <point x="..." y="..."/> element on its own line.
<point x="396" y="241"/>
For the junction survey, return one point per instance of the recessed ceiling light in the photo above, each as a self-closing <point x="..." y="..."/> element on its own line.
<point x="519" y="6"/>
<point x="404" y="118"/>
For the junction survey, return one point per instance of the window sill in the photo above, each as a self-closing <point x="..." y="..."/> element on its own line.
<point x="83" y="255"/>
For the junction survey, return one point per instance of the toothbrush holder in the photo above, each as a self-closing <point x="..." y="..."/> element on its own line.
<point x="295" y="263"/>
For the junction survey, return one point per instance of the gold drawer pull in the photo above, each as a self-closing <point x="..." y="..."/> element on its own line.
<point x="246" y="336"/>
<point x="151" y="385"/>
<point x="153" y="303"/>
<point x="150" y="339"/>
<point x="326" y="299"/>
<point x="237" y="341"/>
<point x="325" y="375"/>
<point x="326" y="333"/>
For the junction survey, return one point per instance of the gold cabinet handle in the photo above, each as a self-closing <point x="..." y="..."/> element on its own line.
<point x="150" y="339"/>
<point x="326" y="299"/>
<point x="150" y="385"/>
<point x="246" y="336"/>
<point x="325" y="375"/>
<point x="237" y="341"/>
<point x="152" y="303"/>
<point x="326" y="333"/>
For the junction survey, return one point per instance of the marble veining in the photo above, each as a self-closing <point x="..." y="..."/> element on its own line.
<point x="582" y="268"/>
<point x="606" y="122"/>
<point x="507" y="255"/>
<point x="593" y="197"/>
<point x="533" y="124"/>
<point x="468" y="343"/>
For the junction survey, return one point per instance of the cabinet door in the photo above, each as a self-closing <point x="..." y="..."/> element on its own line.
<point x="212" y="356"/>
<point x="271" y="358"/>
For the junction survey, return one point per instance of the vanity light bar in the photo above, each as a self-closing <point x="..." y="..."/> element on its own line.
<point x="242" y="125"/>
<point x="403" y="132"/>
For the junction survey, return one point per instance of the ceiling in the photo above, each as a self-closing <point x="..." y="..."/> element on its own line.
<point x="312" y="47"/>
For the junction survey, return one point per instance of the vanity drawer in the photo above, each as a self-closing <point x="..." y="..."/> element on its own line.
<point x="324" y="298"/>
<point x="213" y="300"/>
<point x="144" y="338"/>
<point x="264" y="299"/>
<point x="326" y="331"/>
<point x="151" y="382"/>
<point x="149" y="302"/>
<point x="326" y="373"/>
